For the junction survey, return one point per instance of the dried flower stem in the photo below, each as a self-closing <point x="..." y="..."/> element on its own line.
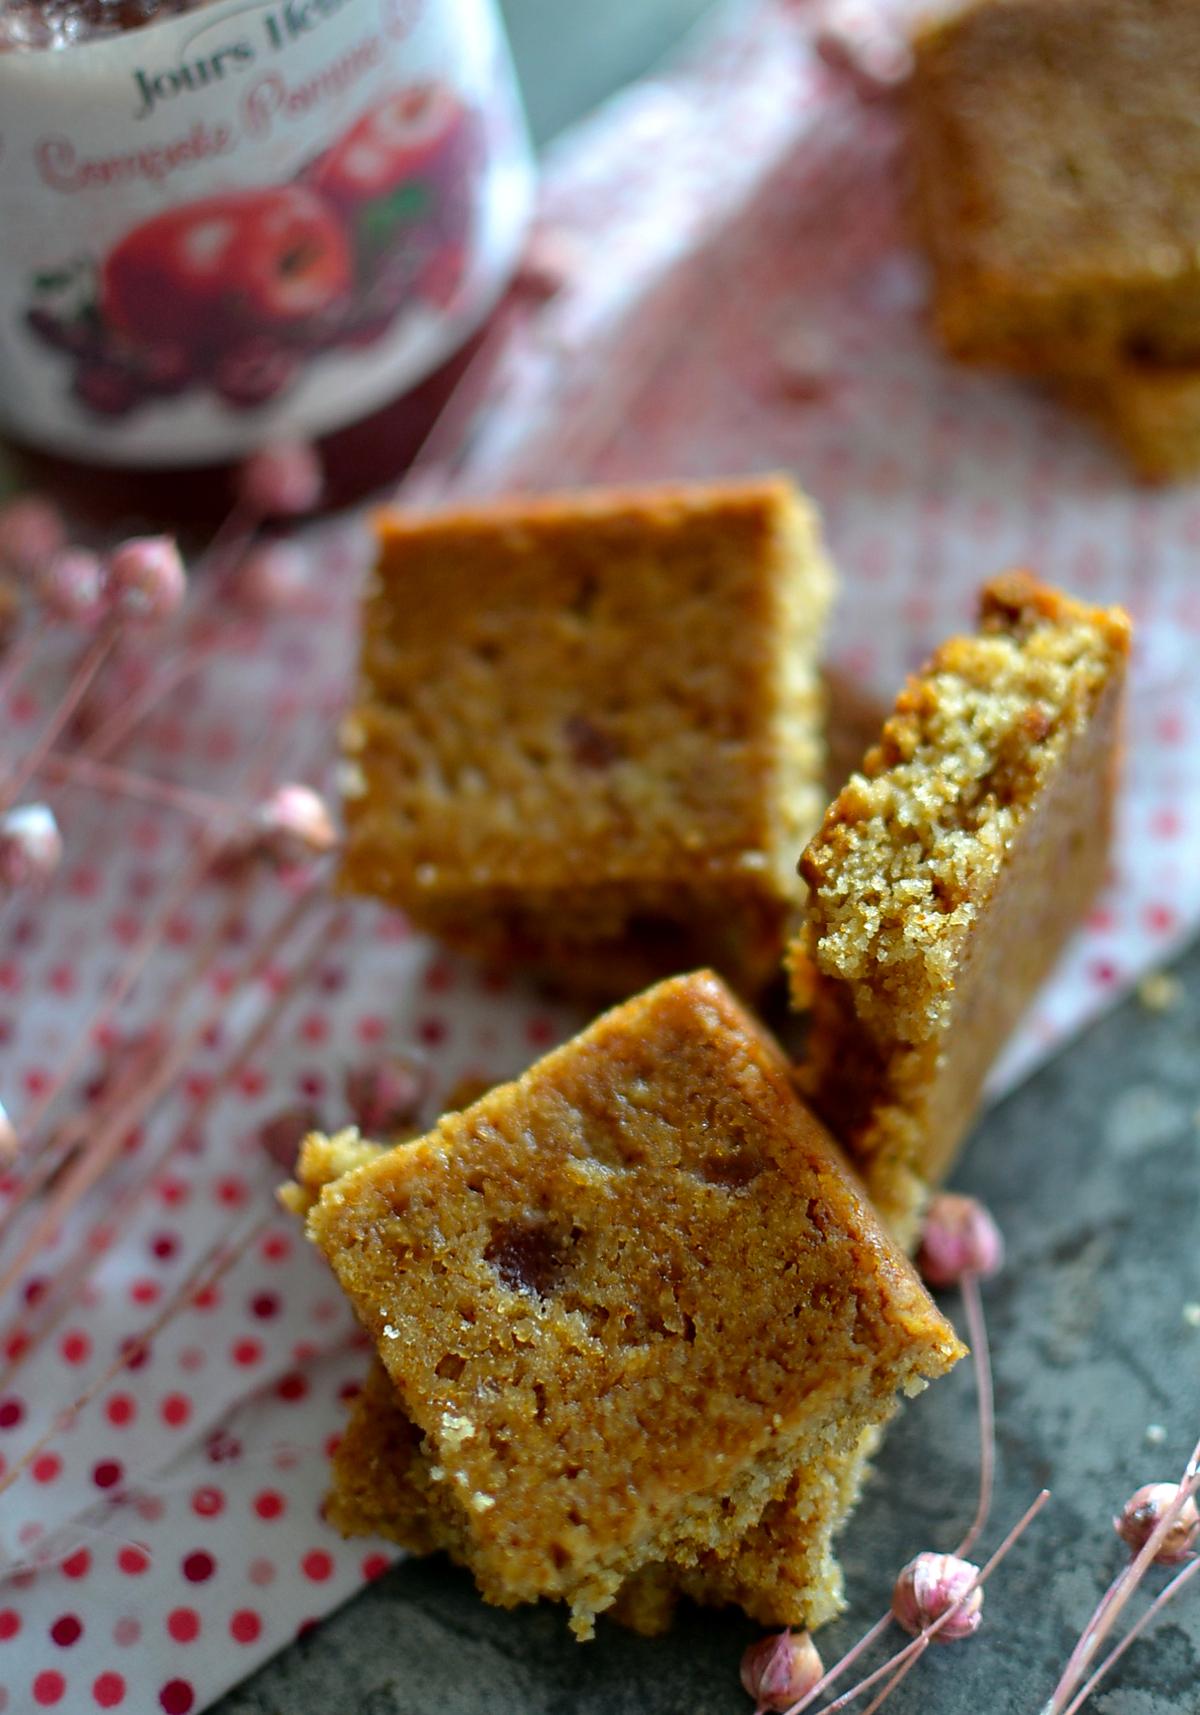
<point x="981" y="1358"/>
<point x="84" y="771"/>
<point x="228" y="543"/>
<point x="90" y="662"/>
<point x="106" y="1144"/>
<point x="842" y="1667"/>
<point x="1164" y="1596"/>
<point x="919" y="1644"/>
<point x="216" y="1262"/>
<point x="1114" y="1599"/>
<point x="117" y="991"/>
<point x="878" y="1701"/>
<point x="122" y="1211"/>
<point x="143" y="702"/>
<point x="62" y="1142"/>
<point x="17" y="659"/>
<point x="254" y="775"/>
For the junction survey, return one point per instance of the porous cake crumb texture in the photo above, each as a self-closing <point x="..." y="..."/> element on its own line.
<point x="626" y="1302"/>
<point x="588" y="730"/>
<point x="948" y="873"/>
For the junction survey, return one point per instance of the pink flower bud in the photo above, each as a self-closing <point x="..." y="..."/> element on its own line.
<point x="386" y="1097"/>
<point x="959" y="1238"/>
<point x="779" y="1670"/>
<point x="31" y="531"/>
<point x="1144" y="1510"/>
<point x="548" y="264"/>
<point x="72" y="586"/>
<point x="807" y="366"/>
<point x="937" y="1584"/>
<point x="283" y="481"/>
<point x="294" y="827"/>
<point x="280" y="1138"/>
<point x="30" y="846"/>
<point x="146" y="579"/>
<point x="858" y="39"/>
<point x="271" y="577"/>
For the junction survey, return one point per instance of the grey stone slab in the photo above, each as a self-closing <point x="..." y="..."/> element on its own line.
<point x="1093" y="1171"/>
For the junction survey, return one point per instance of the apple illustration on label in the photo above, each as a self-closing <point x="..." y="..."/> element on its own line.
<point x="235" y="293"/>
<point x="413" y="135"/>
<point x="213" y="274"/>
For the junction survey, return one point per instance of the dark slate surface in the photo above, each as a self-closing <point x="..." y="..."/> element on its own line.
<point x="1093" y="1171"/>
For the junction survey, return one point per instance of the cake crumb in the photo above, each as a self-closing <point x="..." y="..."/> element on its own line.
<point x="351" y="781"/>
<point x="456" y="1429"/>
<point x="1155" y="1435"/>
<point x="1160" y="991"/>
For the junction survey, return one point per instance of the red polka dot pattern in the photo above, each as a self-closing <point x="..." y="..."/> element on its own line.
<point x="183" y="1625"/>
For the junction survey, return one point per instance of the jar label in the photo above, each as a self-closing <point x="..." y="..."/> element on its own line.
<point x="257" y="219"/>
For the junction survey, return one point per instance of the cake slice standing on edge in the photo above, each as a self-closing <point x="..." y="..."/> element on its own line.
<point x="948" y="875"/>
<point x="625" y="1300"/>
<point x="588" y="730"/>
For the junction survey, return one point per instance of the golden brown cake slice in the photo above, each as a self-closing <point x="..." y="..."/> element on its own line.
<point x="1057" y="168"/>
<point x="626" y="1298"/>
<point x="783" y="1572"/>
<point x="948" y="874"/>
<point x="1151" y="411"/>
<point x="588" y="729"/>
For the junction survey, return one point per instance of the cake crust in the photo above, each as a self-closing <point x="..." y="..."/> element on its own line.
<point x="948" y="874"/>
<point x="627" y="1298"/>
<point x="1055" y="164"/>
<point x="587" y="735"/>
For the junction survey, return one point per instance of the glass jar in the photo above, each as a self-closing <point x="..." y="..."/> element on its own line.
<point x="235" y="222"/>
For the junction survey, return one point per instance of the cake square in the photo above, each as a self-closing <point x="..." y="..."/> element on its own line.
<point x="948" y="874"/>
<point x="626" y="1298"/>
<point x="783" y="1571"/>
<point x="587" y="736"/>
<point x="1056" y="158"/>
<point x="1151" y="411"/>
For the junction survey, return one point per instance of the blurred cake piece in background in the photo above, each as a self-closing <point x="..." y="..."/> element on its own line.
<point x="1056" y="153"/>
<point x="588" y="738"/>
<point x="1152" y="412"/>
<point x="949" y="873"/>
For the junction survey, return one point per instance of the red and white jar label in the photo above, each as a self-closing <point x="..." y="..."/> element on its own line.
<point x="260" y="218"/>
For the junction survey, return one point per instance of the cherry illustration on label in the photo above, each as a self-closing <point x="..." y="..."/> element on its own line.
<point x="235" y="293"/>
